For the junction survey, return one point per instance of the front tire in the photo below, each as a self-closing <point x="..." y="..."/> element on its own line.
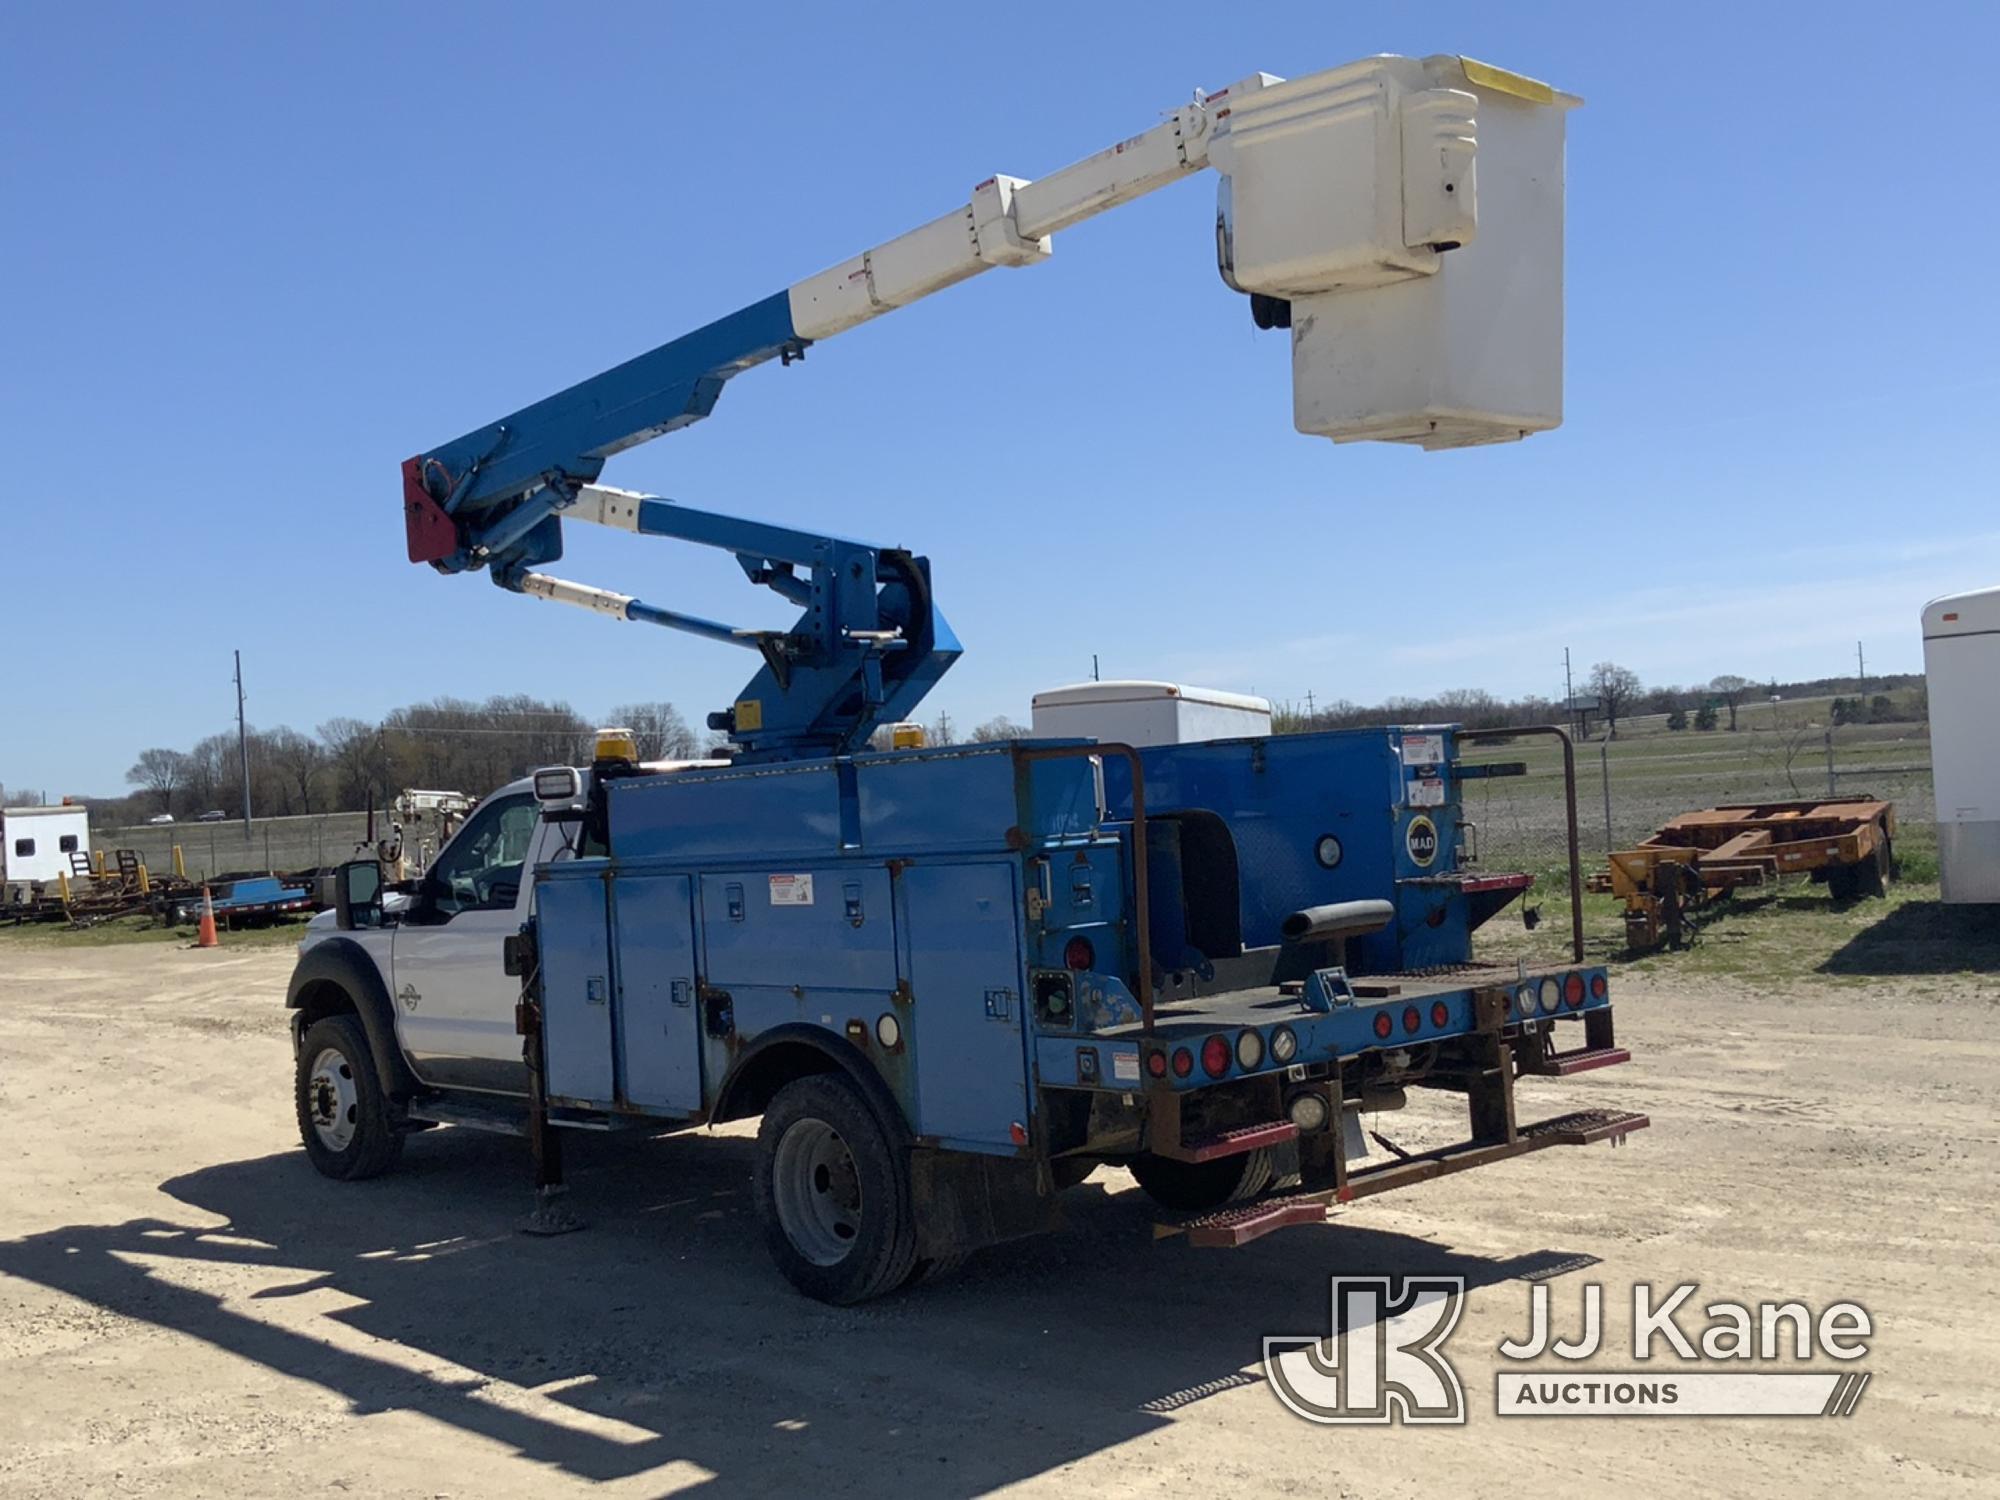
<point x="344" y="1117"/>
<point x="833" y="1190"/>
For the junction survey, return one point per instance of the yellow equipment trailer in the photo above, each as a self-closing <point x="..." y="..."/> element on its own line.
<point x="1702" y="856"/>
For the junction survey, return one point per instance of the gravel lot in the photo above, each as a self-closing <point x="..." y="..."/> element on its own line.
<point x="186" y="1309"/>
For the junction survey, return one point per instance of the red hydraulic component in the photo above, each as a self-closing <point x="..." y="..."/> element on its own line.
<point x="432" y="534"/>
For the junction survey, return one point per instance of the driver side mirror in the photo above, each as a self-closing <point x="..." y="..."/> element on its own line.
<point x="357" y="894"/>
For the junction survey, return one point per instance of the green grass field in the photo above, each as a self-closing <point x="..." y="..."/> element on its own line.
<point x="1791" y="932"/>
<point x="1794" y="931"/>
<point x="1654" y="774"/>
<point x="141" y="929"/>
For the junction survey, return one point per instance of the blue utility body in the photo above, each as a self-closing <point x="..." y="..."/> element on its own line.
<point x="1281" y="800"/>
<point x="920" y="911"/>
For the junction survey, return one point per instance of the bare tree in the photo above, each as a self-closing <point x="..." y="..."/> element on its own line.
<point x="1475" y="708"/>
<point x="358" y="759"/>
<point x="1615" y="686"/>
<point x="1730" y="689"/>
<point x="160" y="772"/>
<point x="661" y="732"/>
<point x="1786" y="743"/>
<point x="300" y="760"/>
<point x="1000" y="727"/>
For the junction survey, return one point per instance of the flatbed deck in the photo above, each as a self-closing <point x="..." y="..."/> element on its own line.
<point x="1266" y="1004"/>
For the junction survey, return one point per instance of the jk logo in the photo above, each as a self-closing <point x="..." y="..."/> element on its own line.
<point x="1383" y="1362"/>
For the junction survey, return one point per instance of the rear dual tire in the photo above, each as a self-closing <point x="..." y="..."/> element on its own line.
<point x="1197" y="1186"/>
<point x="832" y="1186"/>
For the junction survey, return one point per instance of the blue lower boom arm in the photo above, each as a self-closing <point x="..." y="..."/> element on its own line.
<point x="870" y="642"/>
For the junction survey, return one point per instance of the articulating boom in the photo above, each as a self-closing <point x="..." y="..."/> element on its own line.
<point x="1349" y="210"/>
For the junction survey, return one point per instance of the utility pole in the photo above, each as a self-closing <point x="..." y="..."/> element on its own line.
<point x="242" y="747"/>
<point x="1309" y="707"/>
<point x="1860" y="671"/>
<point x="1569" y="691"/>
<point x="1093" y="666"/>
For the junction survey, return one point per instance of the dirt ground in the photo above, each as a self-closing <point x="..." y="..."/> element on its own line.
<point x="186" y="1309"/>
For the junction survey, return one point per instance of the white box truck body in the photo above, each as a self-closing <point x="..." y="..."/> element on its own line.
<point x="1148" y="713"/>
<point x="1962" y="670"/>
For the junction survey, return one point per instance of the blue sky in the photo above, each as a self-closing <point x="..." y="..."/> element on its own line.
<point x="256" y="256"/>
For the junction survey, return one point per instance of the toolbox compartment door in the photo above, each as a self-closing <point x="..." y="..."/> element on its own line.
<point x="964" y="956"/>
<point x="576" y="989"/>
<point x="659" y="1045"/>
<point x="809" y="927"/>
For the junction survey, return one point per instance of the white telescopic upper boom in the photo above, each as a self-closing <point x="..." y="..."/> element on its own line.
<point x="1409" y="213"/>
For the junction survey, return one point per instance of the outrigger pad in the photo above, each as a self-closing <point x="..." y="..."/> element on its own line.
<point x="552" y="1216"/>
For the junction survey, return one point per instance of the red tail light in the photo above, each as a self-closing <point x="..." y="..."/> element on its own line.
<point x="1440" y="1014"/>
<point x="1597" y="986"/>
<point x="1573" y="991"/>
<point x="1156" y="1064"/>
<point x="1215" y="1056"/>
<point x="1383" y="1025"/>
<point x="1183" y="1062"/>
<point x="1078" y="954"/>
<point x="1411" y="1018"/>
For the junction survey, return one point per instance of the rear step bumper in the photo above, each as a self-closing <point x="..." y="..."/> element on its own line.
<point x="1236" y="1142"/>
<point x="1230" y="1227"/>
<point x="1582" y="1060"/>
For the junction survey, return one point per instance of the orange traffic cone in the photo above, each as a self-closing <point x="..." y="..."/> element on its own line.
<point x="205" y="934"/>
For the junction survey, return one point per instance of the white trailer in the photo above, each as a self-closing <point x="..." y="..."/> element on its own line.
<point x="1962" y="670"/>
<point x="1148" y="713"/>
<point x="36" y="843"/>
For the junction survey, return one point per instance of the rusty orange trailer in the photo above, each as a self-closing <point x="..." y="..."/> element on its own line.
<point x="1698" y="857"/>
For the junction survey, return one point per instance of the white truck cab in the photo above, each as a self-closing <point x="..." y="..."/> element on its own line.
<point x="438" y="951"/>
<point x="405" y="1015"/>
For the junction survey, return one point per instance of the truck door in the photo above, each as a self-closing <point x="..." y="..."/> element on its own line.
<point x="454" y="1001"/>
<point x="965" y="985"/>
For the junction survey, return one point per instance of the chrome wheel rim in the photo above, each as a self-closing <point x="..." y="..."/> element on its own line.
<point x="332" y="1100"/>
<point x="818" y="1191"/>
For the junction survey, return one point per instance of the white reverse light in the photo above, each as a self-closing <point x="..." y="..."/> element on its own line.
<point x="1308" y="1112"/>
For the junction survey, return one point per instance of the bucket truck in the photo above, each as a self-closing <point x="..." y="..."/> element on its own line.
<point x="952" y="981"/>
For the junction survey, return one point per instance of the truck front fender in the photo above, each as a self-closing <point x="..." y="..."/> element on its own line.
<point x="337" y="974"/>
